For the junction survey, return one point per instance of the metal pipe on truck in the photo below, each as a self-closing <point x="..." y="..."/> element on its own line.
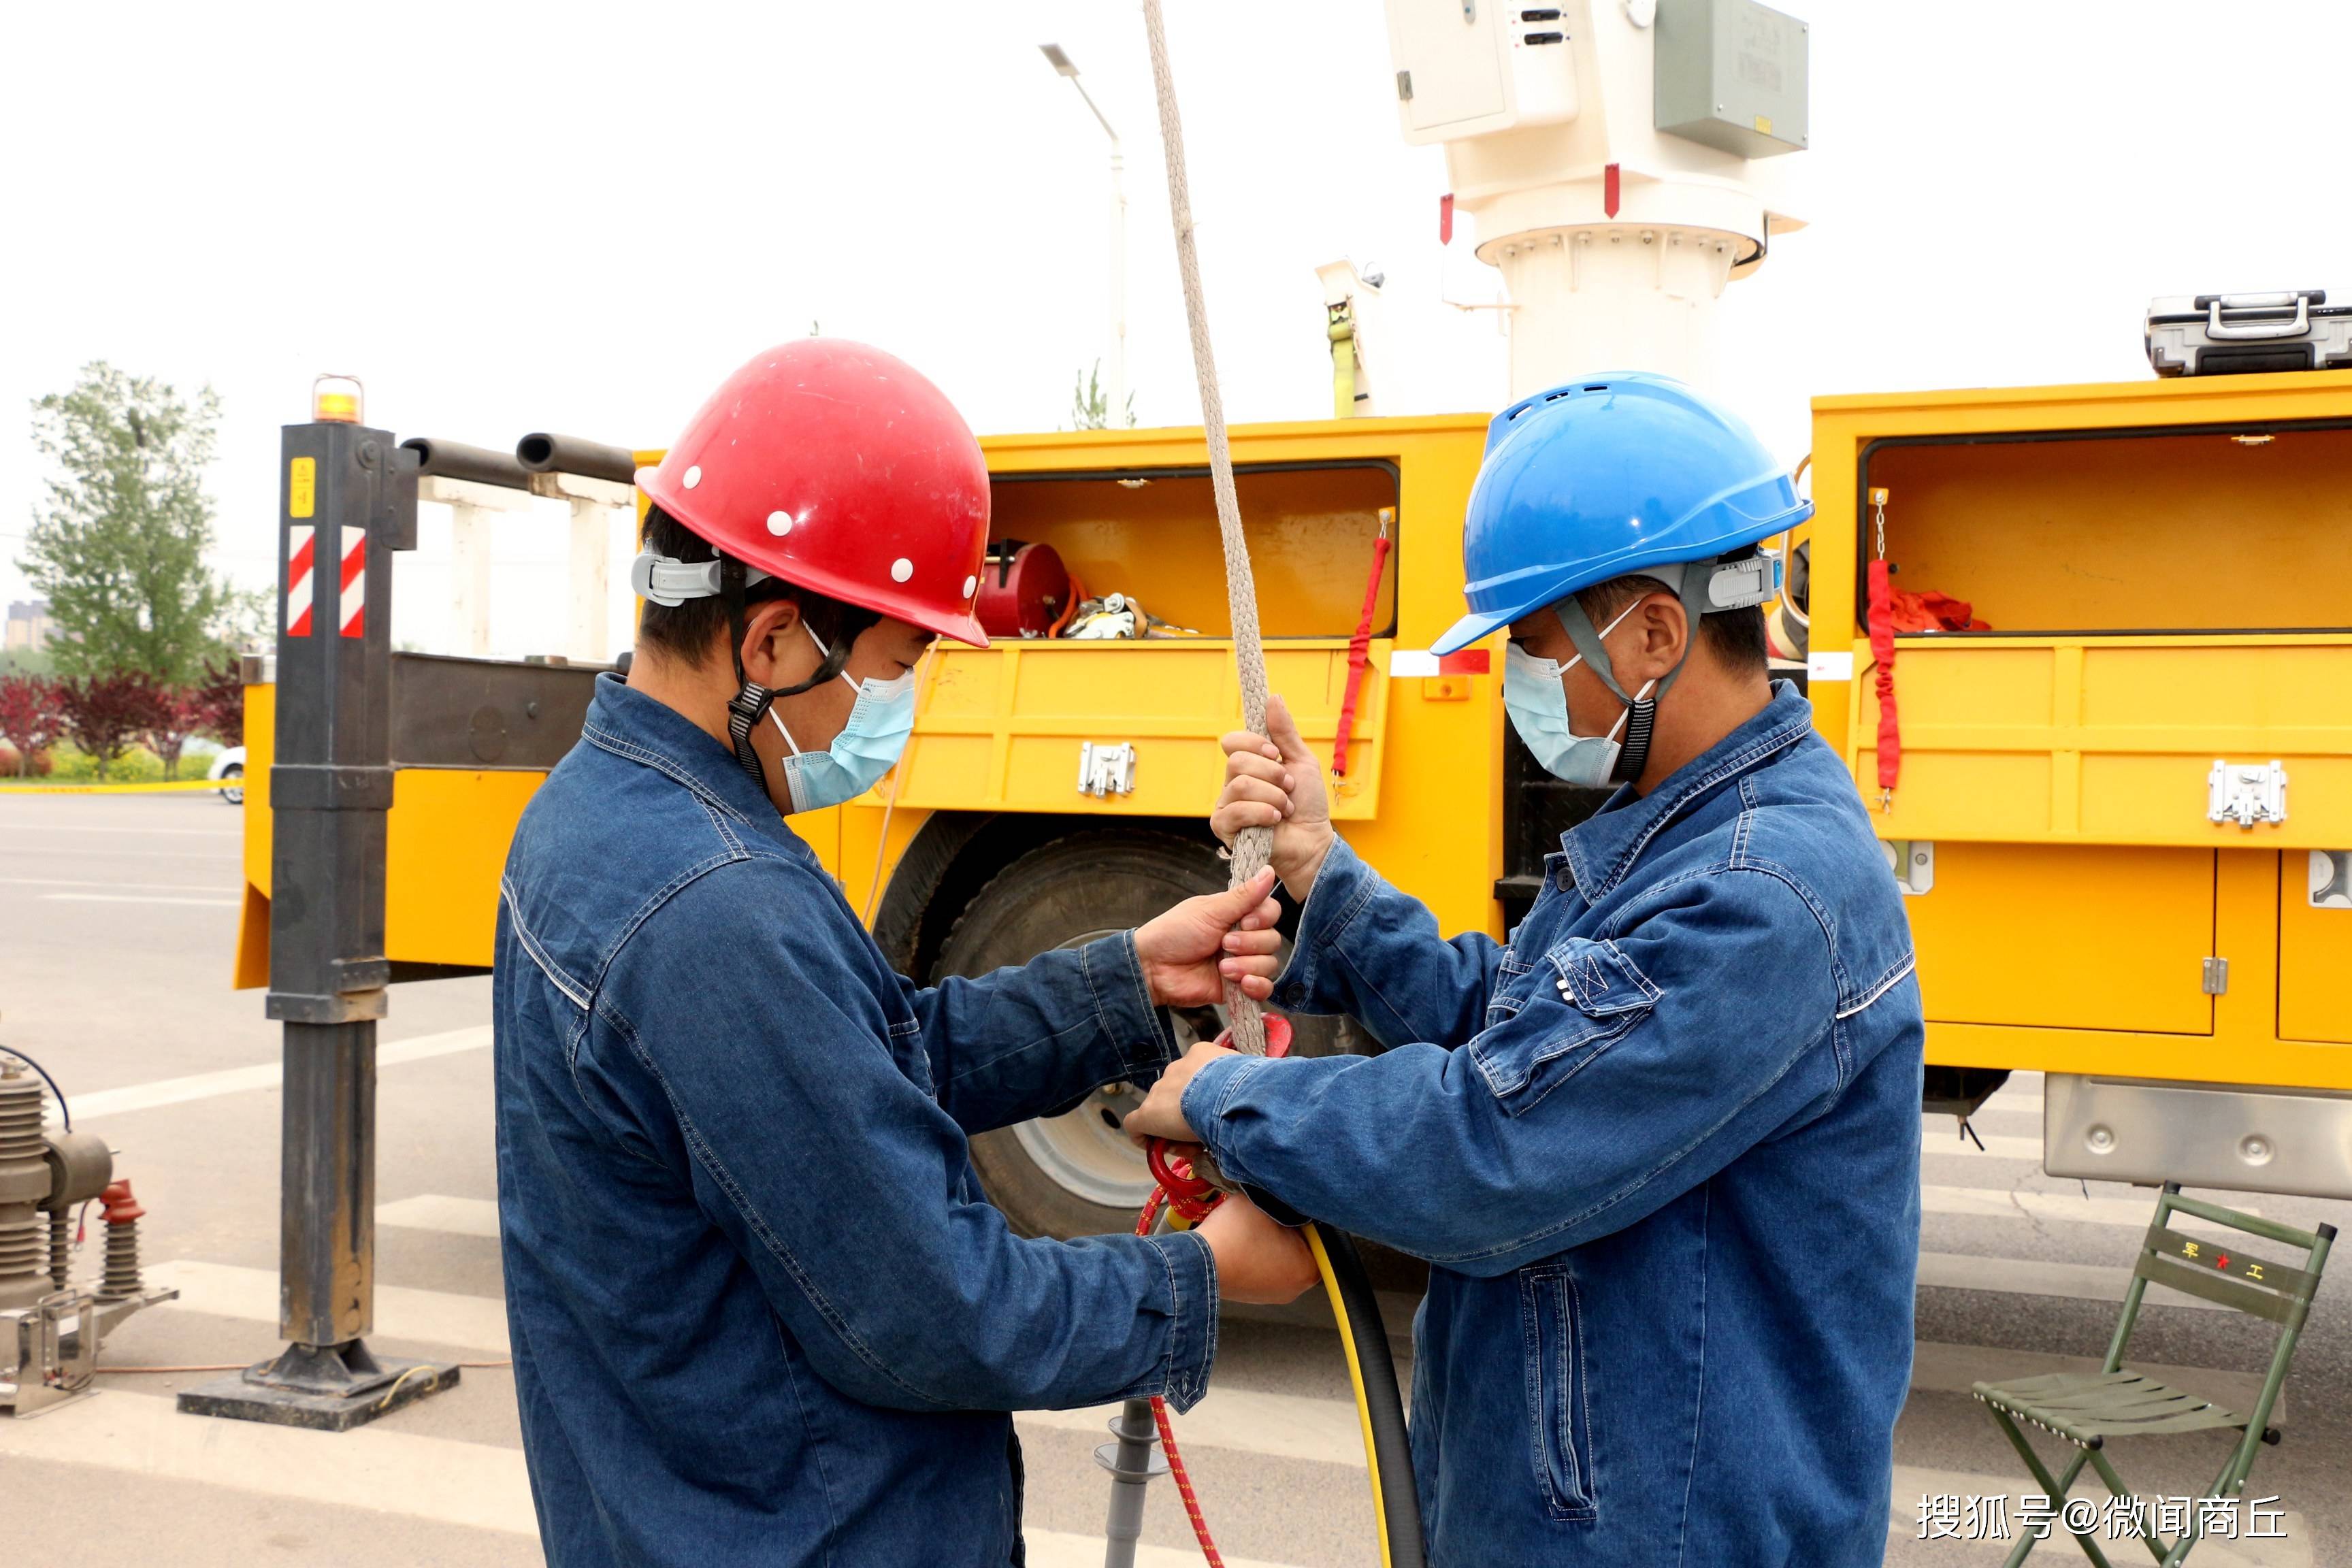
<point x="542" y="453"/>
<point x="456" y="460"/>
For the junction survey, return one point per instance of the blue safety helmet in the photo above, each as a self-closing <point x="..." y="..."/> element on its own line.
<point x="1603" y="477"/>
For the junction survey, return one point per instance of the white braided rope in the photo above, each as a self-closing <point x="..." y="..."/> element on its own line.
<point x="1252" y="846"/>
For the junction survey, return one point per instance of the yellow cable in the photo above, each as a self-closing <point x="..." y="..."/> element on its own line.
<point x="1356" y="1382"/>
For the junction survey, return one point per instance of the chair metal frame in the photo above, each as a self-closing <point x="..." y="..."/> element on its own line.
<point x="2085" y="1409"/>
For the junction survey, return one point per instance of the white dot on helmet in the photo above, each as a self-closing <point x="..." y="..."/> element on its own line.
<point x="780" y="522"/>
<point x="901" y="569"/>
<point x="969" y="584"/>
<point x="694" y="476"/>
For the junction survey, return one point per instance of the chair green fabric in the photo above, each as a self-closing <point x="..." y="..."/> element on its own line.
<point x="2087" y="1408"/>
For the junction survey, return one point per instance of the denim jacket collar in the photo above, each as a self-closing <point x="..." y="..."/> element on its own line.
<point x="1602" y="848"/>
<point x="631" y="725"/>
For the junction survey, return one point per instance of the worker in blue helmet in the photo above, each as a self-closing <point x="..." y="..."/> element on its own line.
<point x="1662" y="1150"/>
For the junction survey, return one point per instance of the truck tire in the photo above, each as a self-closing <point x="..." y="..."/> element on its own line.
<point x="1074" y="1174"/>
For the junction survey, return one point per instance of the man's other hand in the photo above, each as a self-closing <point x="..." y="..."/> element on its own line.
<point x="1257" y="1261"/>
<point x="1161" y="1114"/>
<point x="1191" y="951"/>
<point x="1274" y="780"/>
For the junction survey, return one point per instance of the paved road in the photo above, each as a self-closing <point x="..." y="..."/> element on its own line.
<point x="117" y="921"/>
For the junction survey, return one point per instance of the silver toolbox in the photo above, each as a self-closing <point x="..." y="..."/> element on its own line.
<point x="2240" y="335"/>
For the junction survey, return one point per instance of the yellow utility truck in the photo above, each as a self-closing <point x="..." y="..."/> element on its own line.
<point x="2088" y="810"/>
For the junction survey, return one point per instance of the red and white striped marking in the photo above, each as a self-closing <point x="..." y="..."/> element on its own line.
<point x="297" y="581"/>
<point x="354" y="602"/>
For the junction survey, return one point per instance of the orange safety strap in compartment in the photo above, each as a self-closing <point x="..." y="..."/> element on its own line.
<point x="1359" y="650"/>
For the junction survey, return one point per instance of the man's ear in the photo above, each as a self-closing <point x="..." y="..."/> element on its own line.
<point x="1665" y="635"/>
<point x="776" y="652"/>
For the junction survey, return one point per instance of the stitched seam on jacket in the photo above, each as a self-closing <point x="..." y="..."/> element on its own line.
<point x="1763" y="747"/>
<point x="709" y="1159"/>
<point x="1698" y="1402"/>
<point x="1367" y="884"/>
<point x="1000" y="1059"/>
<point x="660" y="896"/>
<point x="612" y="1015"/>
<point x="573" y="991"/>
<point x="1143" y="1002"/>
<point x="1882" y="984"/>
<point x="718" y="821"/>
<point x="659" y="764"/>
<point x="816" y="1446"/>
<point x="1364" y="979"/>
<point x="1773" y="870"/>
<point x="1647" y="1177"/>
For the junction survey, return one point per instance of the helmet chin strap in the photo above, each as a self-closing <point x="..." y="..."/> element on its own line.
<point x="1641" y="713"/>
<point x="750" y="702"/>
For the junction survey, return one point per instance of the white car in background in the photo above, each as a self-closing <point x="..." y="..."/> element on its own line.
<point x="229" y="772"/>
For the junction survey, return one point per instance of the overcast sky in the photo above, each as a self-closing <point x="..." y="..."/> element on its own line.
<point x="508" y="218"/>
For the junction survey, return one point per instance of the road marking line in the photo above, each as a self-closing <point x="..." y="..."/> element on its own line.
<point x="432" y="1211"/>
<point x="138" y="898"/>
<point x="475" y="1485"/>
<point x="1937" y="1368"/>
<point x="2027" y="1277"/>
<point x="264" y="1075"/>
<point x="1912" y="1484"/>
<point x="48" y="827"/>
<point x="1992" y="1203"/>
<point x="433" y="1317"/>
<point x="66" y="882"/>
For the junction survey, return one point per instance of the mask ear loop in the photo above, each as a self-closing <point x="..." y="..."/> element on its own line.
<point x="752" y="701"/>
<point x="1642" y="712"/>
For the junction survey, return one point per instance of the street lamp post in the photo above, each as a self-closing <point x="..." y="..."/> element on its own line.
<point x="1115" y="406"/>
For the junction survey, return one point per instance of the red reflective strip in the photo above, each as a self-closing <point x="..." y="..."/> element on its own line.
<point x="297" y="583"/>
<point x="1469" y="661"/>
<point x="1358" y="656"/>
<point x="1445" y="218"/>
<point x="1608" y="190"/>
<point x="354" y="558"/>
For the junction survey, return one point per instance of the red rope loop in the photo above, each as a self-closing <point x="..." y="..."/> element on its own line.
<point x="1186" y="1190"/>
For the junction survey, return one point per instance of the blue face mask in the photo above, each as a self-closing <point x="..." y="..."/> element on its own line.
<point x="879" y="722"/>
<point x="1537" y="704"/>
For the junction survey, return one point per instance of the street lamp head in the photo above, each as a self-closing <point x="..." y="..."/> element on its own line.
<point x="1057" y="59"/>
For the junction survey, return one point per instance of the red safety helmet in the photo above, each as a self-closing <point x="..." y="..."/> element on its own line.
<point x="837" y="468"/>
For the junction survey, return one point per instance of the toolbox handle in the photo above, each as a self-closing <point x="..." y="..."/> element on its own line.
<point x="2294" y="329"/>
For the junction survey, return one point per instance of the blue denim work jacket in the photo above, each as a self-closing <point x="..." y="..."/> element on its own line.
<point x="1662" y="1151"/>
<point x="761" y="1313"/>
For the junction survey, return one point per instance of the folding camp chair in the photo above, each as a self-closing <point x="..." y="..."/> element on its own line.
<point x="2087" y="1408"/>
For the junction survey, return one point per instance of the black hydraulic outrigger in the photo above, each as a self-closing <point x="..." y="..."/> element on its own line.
<point x="347" y="501"/>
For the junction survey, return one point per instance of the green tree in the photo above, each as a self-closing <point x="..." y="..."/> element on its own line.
<point x="1091" y="404"/>
<point x="118" y="546"/>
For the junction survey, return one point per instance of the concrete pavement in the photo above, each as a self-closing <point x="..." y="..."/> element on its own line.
<point x="117" y="919"/>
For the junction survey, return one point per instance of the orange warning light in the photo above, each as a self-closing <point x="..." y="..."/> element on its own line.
<point x="335" y="399"/>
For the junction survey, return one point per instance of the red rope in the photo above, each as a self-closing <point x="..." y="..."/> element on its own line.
<point x="1882" y="650"/>
<point x="1186" y="1190"/>
<point x="1360" y="655"/>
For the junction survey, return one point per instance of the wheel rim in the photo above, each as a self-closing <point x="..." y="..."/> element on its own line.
<point x="1082" y="1150"/>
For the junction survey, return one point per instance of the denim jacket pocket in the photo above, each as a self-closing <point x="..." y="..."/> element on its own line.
<point x="1513" y="977"/>
<point x="1564" y="1012"/>
<point x="1559" y="1431"/>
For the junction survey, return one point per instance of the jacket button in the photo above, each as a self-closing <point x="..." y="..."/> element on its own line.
<point x="1565" y="881"/>
<point x="1293" y="994"/>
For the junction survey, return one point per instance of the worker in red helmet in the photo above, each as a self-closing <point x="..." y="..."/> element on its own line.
<point x="761" y="1312"/>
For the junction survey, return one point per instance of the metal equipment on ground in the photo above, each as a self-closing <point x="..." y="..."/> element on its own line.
<point x="51" y="1329"/>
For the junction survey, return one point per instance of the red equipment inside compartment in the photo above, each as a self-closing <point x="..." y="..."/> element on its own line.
<point x="1023" y="589"/>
